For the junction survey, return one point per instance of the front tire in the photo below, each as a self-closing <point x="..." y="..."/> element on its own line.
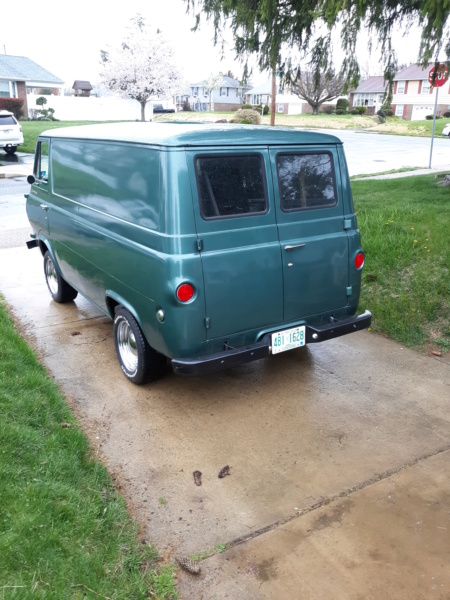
<point x="139" y="361"/>
<point x="58" y="287"/>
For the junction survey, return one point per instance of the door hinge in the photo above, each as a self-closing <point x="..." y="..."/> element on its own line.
<point x="349" y="291"/>
<point x="207" y="322"/>
<point x="199" y="244"/>
<point x="347" y="223"/>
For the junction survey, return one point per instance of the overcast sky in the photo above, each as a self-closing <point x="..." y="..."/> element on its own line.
<point x="66" y="37"/>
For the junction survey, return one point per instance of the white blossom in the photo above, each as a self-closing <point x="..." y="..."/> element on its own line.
<point x="142" y="67"/>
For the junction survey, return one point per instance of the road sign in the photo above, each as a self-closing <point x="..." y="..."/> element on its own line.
<point x="441" y="75"/>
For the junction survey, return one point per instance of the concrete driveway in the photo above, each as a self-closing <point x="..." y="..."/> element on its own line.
<point x="339" y="456"/>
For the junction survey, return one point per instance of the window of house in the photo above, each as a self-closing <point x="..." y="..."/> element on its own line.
<point x="380" y="98"/>
<point x="401" y="87"/>
<point x="224" y="91"/>
<point x="41" y="161"/>
<point x="281" y="108"/>
<point x="4" y="89"/>
<point x="399" y="110"/>
<point x="425" y="87"/>
<point x="231" y="185"/>
<point x="306" y="181"/>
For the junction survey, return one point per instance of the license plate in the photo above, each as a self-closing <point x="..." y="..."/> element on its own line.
<point x="288" y="339"/>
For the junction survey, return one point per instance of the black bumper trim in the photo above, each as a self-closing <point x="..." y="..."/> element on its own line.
<point x="32" y="244"/>
<point x="202" y="365"/>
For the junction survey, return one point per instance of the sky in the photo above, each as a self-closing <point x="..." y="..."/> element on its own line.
<point x="66" y="37"/>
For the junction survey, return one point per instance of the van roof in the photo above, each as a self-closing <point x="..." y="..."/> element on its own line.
<point x="192" y="134"/>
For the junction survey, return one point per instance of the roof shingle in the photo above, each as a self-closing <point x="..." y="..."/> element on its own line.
<point x="21" y="68"/>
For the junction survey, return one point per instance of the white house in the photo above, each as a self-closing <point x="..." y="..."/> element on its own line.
<point x="285" y="102"/>
<point x="229" y="96"/>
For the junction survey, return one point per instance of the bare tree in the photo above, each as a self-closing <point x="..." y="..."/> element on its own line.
<point x="317" y="90"/>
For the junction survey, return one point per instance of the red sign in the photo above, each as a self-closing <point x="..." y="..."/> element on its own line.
<point x="441" y="75"/>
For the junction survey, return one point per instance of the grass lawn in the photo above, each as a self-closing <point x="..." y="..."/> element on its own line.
<point x="404" y="227"/>
<point x="32" y="129"/>
<point x="64" y="530"/>
<point x="393" y="125"/>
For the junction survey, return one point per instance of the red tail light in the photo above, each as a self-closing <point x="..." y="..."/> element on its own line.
<point x="359" y="260"/>
<point x="185" y="292"/>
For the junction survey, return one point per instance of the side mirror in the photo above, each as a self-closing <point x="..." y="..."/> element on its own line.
<point x="31" y="179"/>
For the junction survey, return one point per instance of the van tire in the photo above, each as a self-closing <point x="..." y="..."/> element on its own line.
<point x="10" y="150"/>
<point x="58" y="287"/>
<point x="140" y="362"/>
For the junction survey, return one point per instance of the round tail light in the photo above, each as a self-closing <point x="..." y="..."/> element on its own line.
<point x="185" y="291"/>
<point x="359" y="260"/>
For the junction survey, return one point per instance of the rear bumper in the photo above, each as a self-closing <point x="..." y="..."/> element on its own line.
<point x="230" y="358"/>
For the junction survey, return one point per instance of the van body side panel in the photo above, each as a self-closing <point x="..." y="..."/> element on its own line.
<point x="314" y="244"/>
<point x="240" y="254"/>
<point x="112" y="239"/>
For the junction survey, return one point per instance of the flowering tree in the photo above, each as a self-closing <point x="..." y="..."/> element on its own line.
<point x="213" y="83"/>
<point x="142" y="67"/>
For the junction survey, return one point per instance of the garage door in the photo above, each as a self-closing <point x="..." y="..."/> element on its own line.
<point x="419" y="112"/>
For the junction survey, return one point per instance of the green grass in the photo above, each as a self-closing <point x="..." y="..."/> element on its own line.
<point x="404" y="227"/>
<point x="32" y="129"/>
<point x="64" y="530"/>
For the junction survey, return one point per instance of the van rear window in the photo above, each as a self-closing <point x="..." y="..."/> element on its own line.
<point x="306" y="181"/>
<point x="231" y="185"/>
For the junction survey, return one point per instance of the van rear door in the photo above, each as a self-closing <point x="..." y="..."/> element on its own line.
<point x="238" y="239"/>
<point x="310" y="216"/>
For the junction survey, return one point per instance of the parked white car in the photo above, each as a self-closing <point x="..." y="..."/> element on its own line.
<point x="446" y="130"/>
<point x="11" y="134"/>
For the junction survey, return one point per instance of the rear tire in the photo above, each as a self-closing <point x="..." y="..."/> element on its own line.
<point x="11" y="150"/>
<point x="58" y="287"/>
<point x="139" y="361"/>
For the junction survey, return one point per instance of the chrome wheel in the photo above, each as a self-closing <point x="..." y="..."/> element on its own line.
<point x="126" y="345"/>
<point x="50" y="274"/>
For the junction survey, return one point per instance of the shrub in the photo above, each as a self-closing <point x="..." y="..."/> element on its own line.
<point x="388" y="112"/>
<point x="246" y="115"/>
<point x="246" y="106"/>
<point x="342" y="104"/>
<point x="14" y="105"/>
<point x="186" y="106"/>
<point x="429" y="117"/>
<point x="327" y="109"/>
<point x="339" y="111"/>
<point x="266" y="109"/>
<point x="446" y="114"/>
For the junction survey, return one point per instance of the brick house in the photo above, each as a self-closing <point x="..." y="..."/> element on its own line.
<point x="413" y="96"/>
<point x="285" y="102"/>
<point x="20" y="76"/>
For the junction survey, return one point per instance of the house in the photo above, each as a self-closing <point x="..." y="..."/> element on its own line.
<point x="82" y="88"/>
<point x="20" y="76"/>
<point x="369" y="93"/>
<point x="285" y="102"/>
<point x="228" y="96"/>
<point x="413" y="96"/>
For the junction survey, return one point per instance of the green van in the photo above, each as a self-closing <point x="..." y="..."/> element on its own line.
<point x="210" y="245"/>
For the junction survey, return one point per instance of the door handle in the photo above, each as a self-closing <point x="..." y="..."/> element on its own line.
<point x="289" y="248"/>
<point x="43" y="206"/>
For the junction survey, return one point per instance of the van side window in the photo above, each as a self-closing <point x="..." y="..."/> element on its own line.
<point x="306" y="181"/>
<point x="231" y="185"/>
<point x="41" y="161"/>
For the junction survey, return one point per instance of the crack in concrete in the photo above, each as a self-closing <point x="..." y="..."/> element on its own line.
<point x="329" y="499"/>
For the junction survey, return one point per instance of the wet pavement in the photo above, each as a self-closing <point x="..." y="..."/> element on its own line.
<point x="338" y="454"/>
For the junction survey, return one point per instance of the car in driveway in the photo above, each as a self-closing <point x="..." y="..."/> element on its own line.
<point x="446" y="130"/>
<point x="11" y="134"/>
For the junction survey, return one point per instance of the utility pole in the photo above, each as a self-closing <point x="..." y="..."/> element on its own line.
<point x="273" y="99"/>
